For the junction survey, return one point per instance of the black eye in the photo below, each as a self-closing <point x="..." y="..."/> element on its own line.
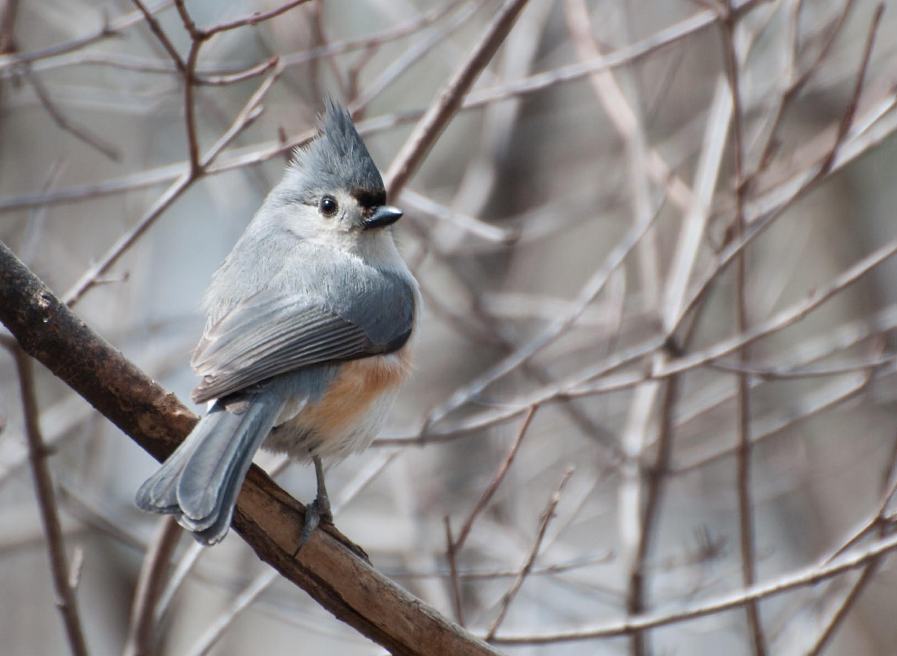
<point x="328" y="206"/>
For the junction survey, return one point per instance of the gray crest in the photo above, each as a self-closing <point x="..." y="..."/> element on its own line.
<point x="338" y="159"/>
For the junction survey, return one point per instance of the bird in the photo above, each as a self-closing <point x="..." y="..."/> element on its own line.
<point x="307" y="335"/>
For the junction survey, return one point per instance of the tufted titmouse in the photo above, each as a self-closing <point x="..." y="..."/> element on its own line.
<point x="305" y="342"/>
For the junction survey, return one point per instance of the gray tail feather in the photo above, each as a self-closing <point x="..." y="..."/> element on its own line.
<point x="200" y="481"/>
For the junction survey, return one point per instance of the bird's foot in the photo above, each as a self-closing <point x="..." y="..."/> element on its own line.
<point x="316" y="512"/>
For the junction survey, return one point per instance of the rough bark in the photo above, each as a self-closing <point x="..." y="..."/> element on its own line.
<point x="329" y="568"/>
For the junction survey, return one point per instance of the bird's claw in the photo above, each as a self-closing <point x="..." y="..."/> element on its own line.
<point x="316" y="512"/>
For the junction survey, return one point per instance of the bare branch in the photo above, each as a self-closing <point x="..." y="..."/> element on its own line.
<point x="811" y="405"/>
<point x="142" y="629"/>
<point x="801" y="578"/>
<point x="190" y="107"/>
<point x="258" y="153"/>
<point x="89" y="279"/>
<point x="451" y="552"/>
<point x="7" y="27"/>
<point x="434" y="121"/>
<point x="241" y="602"/>
<point x="243" y="119"/>
<point x="544" y="520"/>
<point x="586" y="295"/>
<point x="254" y="18"/>
<point x="328" y="567"/>
<point x="889" y="483"/>
<point x="847" y="119"/>
<point x="78" y="131"/>
<point x="743" y="407"/>
<point x="499" y="476"/>
<point x="160" y="34"/>
<point x="46" y="498"/>
<point x="107" y="29"/>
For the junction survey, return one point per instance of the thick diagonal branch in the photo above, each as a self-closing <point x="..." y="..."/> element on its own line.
<point x="327" y="568"/>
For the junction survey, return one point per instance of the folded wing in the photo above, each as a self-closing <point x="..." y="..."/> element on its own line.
<point x="275" y="333"/>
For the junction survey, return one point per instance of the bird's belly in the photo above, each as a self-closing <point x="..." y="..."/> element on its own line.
<point x="349" y="413"/>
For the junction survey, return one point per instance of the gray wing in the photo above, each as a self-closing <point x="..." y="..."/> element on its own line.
<point x="273" y="333"/>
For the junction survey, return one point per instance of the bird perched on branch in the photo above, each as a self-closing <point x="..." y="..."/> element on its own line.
<point x="306" y="338"/>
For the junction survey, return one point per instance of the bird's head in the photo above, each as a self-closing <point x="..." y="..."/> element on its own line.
<point x="332" y="188"/>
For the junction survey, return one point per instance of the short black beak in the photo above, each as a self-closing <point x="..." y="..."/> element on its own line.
<point x="383" y="216"/>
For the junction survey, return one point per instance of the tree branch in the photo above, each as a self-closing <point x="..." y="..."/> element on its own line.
<point x="142" y="632"/>
<point x="328" y="568"/>
<point x="435" y="120"/>
<point x="801" y="578"/>
<point x="46" y="499"/>
<point x="743" y="400"/>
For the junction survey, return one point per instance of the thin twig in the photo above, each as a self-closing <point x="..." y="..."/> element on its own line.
<point x="776" y="323"/>
<point x="451" y="552"/>
<point x="765" y="210"/>
<point x="480" y="575"/>
<point x="655" y="486"/>
<point x="622" y="114"/>
<point x="190" y="108"/>
<point x="254" y="18"/>
<point x="187" y="20"/>
<point x="182" y="570"/>
<point x="596" y="283"/>
<point x="66" y="124"/>
<point x="773" y="372"/>
<point x="434" y="36"/>
<point x="795" y="83"/>
<point x="889" y="485"/>
<point x="847" y="119"/>
<point x="437" y="117"/>
<point x="694" y="226"/>
<point x="66" y="600"/>
<point x="89" y="278"/>
<point x="486" y="330"/>
<point x="743" y="408"/>
<point x="156" y="29"/>
<point x="544" y="520"/>
<point x="261" y="152"/>
<point x="638" y="518"/>
<point x="847" y="603"/>
<point x="801" y="578"/>
<point x="575" y="386"/>
<point x="107" y="29"/>
<point x="142" y="632"/>
<point x="787" y="417"/>
<point x="224" y="79"/>
<point x="243" y="119"/>
<point x="494" y="484"/>
<point x="73" y="57"/>
<point x="467" y="223"/>
<point x="237" y="605"/>
<point x="7" y="27"/>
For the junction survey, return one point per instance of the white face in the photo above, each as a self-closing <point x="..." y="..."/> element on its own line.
<point x="337" y="220"/>
<point x="339" y="211"/>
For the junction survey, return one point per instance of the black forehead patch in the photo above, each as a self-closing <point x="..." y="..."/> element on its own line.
<point x="369" y="198"/>
<point x="338" y="159"/>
